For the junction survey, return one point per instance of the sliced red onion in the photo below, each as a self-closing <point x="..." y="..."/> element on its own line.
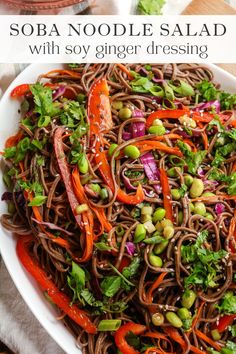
<point x="137" y="113"/>
<point x="59" y="92"/>
<point x="206" y="105"/>
<point x="182" y="133"/>
<point x="127" y="182"/>
<point x="151" y="169"/>
<point x="138" y="129"/>
<point x="144" y="71"/>
<point x="210" y="185"/>
<point x="52" y="226"/>
<point x="7" y="196"/>
<point x="200" y="172"/>
<point x="219" y="208"/>
<point x="126" y="136"/>
<point x="130" y="246"/>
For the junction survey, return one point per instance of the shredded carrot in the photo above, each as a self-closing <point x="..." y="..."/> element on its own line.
<point x="155" y="286"/>
<point x="204" y="136"/>
<point x="14" y="140"/>
<point x="174" y="334"/>
<point x="196" y="318"/>
<point x="166" y="194"/>
<point x="208" y="340"/>
<point x="214" y="199"/>
<point x="158" y="335"/>
<point x="125" y="70"/>
<point x="196" y="350"/>
<point x="70" y="73"/>
<point x="147" y="145"/>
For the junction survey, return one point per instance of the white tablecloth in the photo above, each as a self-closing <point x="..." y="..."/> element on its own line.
<point x="19" y="329"/>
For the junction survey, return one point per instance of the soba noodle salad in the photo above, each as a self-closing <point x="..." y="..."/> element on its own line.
<point x="121" y="189"/>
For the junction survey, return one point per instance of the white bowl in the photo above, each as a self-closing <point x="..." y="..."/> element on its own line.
<point x="27" y="287"/>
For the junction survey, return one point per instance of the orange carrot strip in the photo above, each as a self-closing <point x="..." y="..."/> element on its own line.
<point x="125" y="70"/>
<point x="208" y="340"/>
<point x="14" y="140"/>
<point x="155" y="285"/>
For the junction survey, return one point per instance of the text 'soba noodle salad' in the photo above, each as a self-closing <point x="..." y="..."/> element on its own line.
<point x="121" y="191"/>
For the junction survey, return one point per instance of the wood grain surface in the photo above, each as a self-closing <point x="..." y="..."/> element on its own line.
<point x="209" y="7"/>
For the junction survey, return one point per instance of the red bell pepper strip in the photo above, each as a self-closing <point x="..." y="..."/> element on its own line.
<point x="99" y="109"/>
<point x="166" y="194"/>
<point x="20" y="90"/>
<point x="166" y="114"/>
<point x="46" y="284"/>
<point x="224" y="322"/>
<point x="99" y="114"/>
<point x="66" y="176"/>
<point x="122" y="332"/>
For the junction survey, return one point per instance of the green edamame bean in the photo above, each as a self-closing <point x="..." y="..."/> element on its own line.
<point x="155" y="261"/>
<point x="103" y="193"/>
<point x="140" y="233"/>
<point x="132" y="151"/>
<point x="215" y="334"/>
<point x="157" y="122"/>
<point x="200" y="209"/>
<point x="197" y="188"/>
<point x="158" y="249"/>
<point x="158" y="215"/>
<point x="95" y="187"/>
<point x="83" y="165"/>
<point x="184" y="313"/>
<point x="191" y="207"/>
<point x="209" y="216"/>
<point x="174" y="320"/>
<point x="146" y="210"/>
<point x="168" y="232"/>
<point x="112" y="148"/>
<point x="157" y="319"/>
<point x="175" y="194"/>
<point x="166" y="222"/>
<point x="188" y="298"/>
<point x="180" y="217"/>
<point x="208" y="194"/>
<point x="125" y="113"/>
<point x="117" y="105"/>
<point x="188" y="180"/>
<point x="157" y="129"/>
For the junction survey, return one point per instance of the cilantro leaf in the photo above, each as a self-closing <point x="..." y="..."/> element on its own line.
<point x="130" y="271"/>
<point x="228" y="303"/>
<point x="73" y="114"/>
<point x="204" y="262"/>
<point x="76" y="280"/>
<point x="90" y="299"/>
<point x="230" y="180"/>
<point x="193" y="159"/>
<point x="44" y="104"/>
<point x="209" y="92"/>
<point x="102" y="246"/>
<point x="110" y="285"/>
<point x="150" y="7"/>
